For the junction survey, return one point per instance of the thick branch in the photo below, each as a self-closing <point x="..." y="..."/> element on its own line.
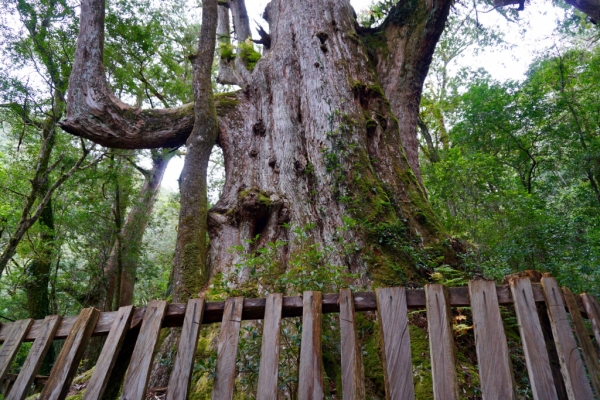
<point x="589" y="7"/>
<point x="407" y="42"/>
<point x="241" y="23"/>
<point x="93" y="112"/>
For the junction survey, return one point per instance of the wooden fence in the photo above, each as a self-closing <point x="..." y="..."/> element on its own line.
<point x="133" y="334"/>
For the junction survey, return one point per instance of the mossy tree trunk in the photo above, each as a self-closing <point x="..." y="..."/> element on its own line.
<point x="324" y="131"/>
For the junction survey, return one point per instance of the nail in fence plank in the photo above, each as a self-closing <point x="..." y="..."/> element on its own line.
<point x="34" y="359"/>
<point x="353" y="380"/>
<point x="592" y="308"/>
<point x="590" y="356"/>
<point x="9" y="349"/>
<point x="179" y="382"/>
<point x="441" y="343"/>
<point x="97" y="383"/>
<point x="490" y="342"/>
<point x="67" y="362"/>
<point x="395" y="338"/>
<point x="136" y="379"/>
<point x="571" y="364"/>
<point x="538" y="362"/>
<point x="227" y="349"/>
<point x="269" y="359"/>
<point x="310" y="380"/>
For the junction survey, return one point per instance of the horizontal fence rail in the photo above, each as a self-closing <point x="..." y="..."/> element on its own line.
<point x="291" y="307"/>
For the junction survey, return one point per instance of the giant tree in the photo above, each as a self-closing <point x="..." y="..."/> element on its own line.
<point x="323" y="130"/>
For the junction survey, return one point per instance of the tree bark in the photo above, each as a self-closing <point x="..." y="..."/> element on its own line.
<point x="314" y="138"/>
<point x="137" y="221"/>
<point x="128" y="243"/>
<point x="189" y="264"/>
<point x="94" y="112"/>
<point x="323" y="131"/>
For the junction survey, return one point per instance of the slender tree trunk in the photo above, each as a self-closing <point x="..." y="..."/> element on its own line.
<point x="121" y="269"/>
<point x="137" y="221"/>
<point x="190" y="271"/>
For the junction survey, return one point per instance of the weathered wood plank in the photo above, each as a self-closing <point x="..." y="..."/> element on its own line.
<point x="538" y="362"/>
<point x="592" y="308"/>
<point x="97" y="383"/>
<point x="490" y="342"/>
<point x="572" y="368"/>
<point x="33" y="362"/>
<point x="310" y="377"/>
<point x="255" y="309"/>
<point x="9" y="349"/>
<point x="590" y="357"/>
<point x="441" y="343"/>
<point x="227" y="349"/>
<point x="353" y="377"/>
<point x="179" y="382"/>
<point x="68" y="360"/>
<point x="269" y="359"/>
<point x="136" y="379"/>
<point x="395" y="338"/>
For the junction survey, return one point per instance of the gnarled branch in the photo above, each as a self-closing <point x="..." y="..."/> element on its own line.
<point x="95" y="113"/>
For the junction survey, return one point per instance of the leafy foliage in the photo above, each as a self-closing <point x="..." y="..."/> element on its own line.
<point x="519" y="176"/>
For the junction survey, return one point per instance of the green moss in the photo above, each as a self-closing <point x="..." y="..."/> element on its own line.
<point x="261" y="196"/>
<point x="371" y="126"/>
<point x="195" y="274"/>
<point x="84" y="377"/>
<point x="421" y="361"/>
<point x="368" y="331"/>
<point x="248" y="55"/>
<point x="376" y="44"/>
<point x="225" y="102"/>
<point x="468" y="376"/>
<point x="202" y="380"/>
<point x="226" y="51"/>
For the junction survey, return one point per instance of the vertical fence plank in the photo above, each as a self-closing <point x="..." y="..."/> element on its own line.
<point x="395" y="339"/>
<point x="441" y="343"/>
<point x="310" y="380"/>
<point x="181" y="377"/>
<point x="590" y="356"/>
<point x="138" y="372"/>
<point x="68" y="360"/>
<point x="108" y="355"/>
<point x="269" y="359"/>
<point x="490" y="342"/>
<point x="592" y="308"/>
<point x="9" y="348"/>
<point x="227" y="349"/>
<point x="34" y="359"/>
<point x="538" y="362"/>
<point x="353" y="379"/>
<point x="571" y="364"/>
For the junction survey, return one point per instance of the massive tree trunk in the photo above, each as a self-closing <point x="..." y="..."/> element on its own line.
<point x="323" y="131"/>
<point x="317" y="135"/>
